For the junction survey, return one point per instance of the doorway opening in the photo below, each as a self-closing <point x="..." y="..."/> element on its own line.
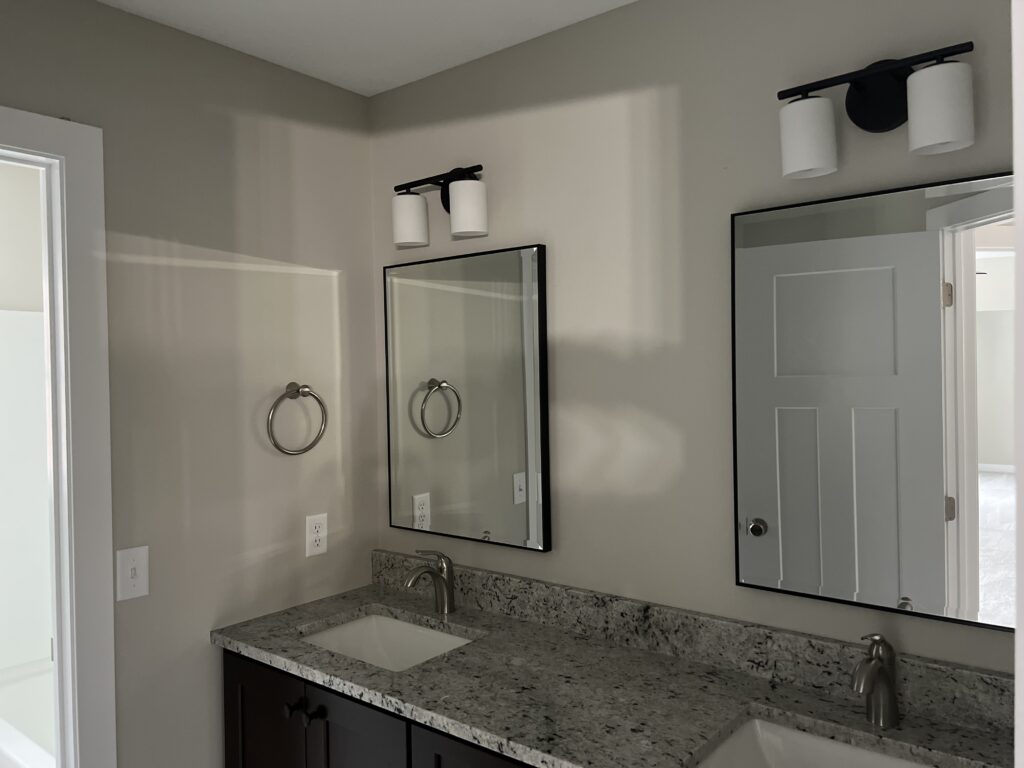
<point x="995" y="264"/>
<point x="56" y="574"/>
<point x="27" y="604"/>
<point x="979" y="265"/>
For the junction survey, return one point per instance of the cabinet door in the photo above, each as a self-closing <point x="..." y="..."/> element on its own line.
<point x="434" y="750"/>
<point x="343" y="733"/>
<point x="260" y="730"/>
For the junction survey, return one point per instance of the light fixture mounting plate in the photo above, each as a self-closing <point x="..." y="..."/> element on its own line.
<point x="877" y="102"/>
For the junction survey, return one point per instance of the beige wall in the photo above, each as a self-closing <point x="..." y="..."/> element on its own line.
<point x="624" y="143"/>
<point x="995" y="386"/>
<point x="21" y="238"/>
<point x="239" y="258"/>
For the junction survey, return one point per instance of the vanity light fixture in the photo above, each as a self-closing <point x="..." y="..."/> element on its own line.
<point x="463" y="196"/>
<point x="937" y="99"/>
<point x="409" y="219"/>
<point x="808" y="130"/>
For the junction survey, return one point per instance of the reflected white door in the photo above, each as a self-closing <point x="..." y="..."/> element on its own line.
<point x="839" y="415"/>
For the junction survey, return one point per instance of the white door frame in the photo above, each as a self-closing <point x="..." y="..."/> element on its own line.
<point x="957" y="222"/>
<point x="71" y="158"/>
<point x="1017" y="43"/>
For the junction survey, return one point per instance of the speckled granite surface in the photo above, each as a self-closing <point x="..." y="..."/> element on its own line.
<point x="551" y="698"/>
<point x="945" y="692"/>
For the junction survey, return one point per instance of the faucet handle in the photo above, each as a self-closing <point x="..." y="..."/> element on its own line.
<point x="444" y="562"/>
<point x="880" y="648"/>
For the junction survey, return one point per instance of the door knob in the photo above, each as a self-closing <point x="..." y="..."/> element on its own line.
<point x="757" y="527"/>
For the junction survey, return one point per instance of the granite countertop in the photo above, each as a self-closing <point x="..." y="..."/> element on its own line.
<point x="554" y="699"/>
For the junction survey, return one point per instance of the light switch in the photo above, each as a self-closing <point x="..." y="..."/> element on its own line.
<point x="132" y="573"/>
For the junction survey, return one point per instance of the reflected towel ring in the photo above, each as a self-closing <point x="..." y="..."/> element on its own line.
<point x="293" y="391"/>
<point x="435" y="386"/>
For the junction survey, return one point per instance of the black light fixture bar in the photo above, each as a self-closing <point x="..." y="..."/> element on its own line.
<point x="441" y="179"/>
<point x="875" y="69"/>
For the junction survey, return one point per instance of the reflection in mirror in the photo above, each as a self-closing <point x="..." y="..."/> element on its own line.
<point x="873" y="396"/>
<point x="467" y="397"/>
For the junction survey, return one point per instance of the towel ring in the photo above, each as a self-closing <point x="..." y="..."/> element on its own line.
<point x="293" y="391"/>
<point x="436" y="386"/>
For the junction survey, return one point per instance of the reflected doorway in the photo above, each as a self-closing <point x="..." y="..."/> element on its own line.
<point x="27" y="683"/>
<point x="995" y="262"/>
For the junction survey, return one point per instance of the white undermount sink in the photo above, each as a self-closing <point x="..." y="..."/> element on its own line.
<point x="760" y="744"/>
<point x="386" y="642"/>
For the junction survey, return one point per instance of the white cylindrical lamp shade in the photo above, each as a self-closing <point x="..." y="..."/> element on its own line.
<point x="409" y="219"/>
<point x="808" y="130"/>
<point x="940" y="108"/>
<point x="467" y="200"/>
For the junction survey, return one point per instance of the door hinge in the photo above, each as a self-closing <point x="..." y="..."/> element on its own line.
<point x="947" y="294"/>
<point x="950" y="509"/>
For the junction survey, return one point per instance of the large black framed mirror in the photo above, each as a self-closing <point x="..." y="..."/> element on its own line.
<point x="873" y="399"/>
<point x="466" y="348"/>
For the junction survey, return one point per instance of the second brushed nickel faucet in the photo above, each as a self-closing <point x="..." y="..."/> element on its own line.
<point x="443" y="576"/>
<point x="874" y="676"/>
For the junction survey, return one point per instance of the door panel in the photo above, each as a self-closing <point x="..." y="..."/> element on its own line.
<point x="258" y="733"/>
<point x="433" y="750"/>
<point x="346" y="734"/>
<point x="839" y="417"/>
<point x="799" y="529"/>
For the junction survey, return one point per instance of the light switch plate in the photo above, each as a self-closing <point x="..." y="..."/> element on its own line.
<point x="316" y="535"/>
<point x="519" y="488"/>
<point x="132" y="573"/>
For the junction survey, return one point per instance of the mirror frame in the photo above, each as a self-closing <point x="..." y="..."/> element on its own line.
<point x="542" y="375"/>
<point x="735" y="474"/>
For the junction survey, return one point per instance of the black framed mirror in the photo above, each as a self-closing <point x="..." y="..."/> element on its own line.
<point x="872" y="396"/>
<point x="466" y="348"/>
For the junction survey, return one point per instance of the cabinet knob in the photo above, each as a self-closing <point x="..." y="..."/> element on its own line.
<point x="320" y="713"/>
<point x="291" y="709"/>
<point x="757" y="527"/>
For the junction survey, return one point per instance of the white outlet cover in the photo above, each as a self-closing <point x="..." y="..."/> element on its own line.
<point x="316" y="535"/>
<point x="421" y="511"/>
<point x="132" y="573"/>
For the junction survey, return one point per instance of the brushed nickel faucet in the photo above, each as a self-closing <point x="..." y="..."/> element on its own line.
<point x="874" y="676"/>
<point x="443" y="576"/>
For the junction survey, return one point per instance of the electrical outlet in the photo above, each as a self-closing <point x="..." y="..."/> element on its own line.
<point x="519" y="488"/>
<point x="316" y="535"/>
<point x="132" y="573"/>
<point x="421" y="511"/>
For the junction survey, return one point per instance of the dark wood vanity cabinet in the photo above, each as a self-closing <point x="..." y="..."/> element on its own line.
<point x="345" y="734"/>
<point x="276" y="720"/>
<point x="257" y="732"/>
<point x="431" y="749"/>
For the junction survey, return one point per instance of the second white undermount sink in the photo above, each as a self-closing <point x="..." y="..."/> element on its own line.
<point x="386" y="642"/>
<point x="760" y="744"/>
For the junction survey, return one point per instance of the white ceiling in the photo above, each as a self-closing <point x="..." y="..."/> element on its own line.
<point x="368" y="46"/>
